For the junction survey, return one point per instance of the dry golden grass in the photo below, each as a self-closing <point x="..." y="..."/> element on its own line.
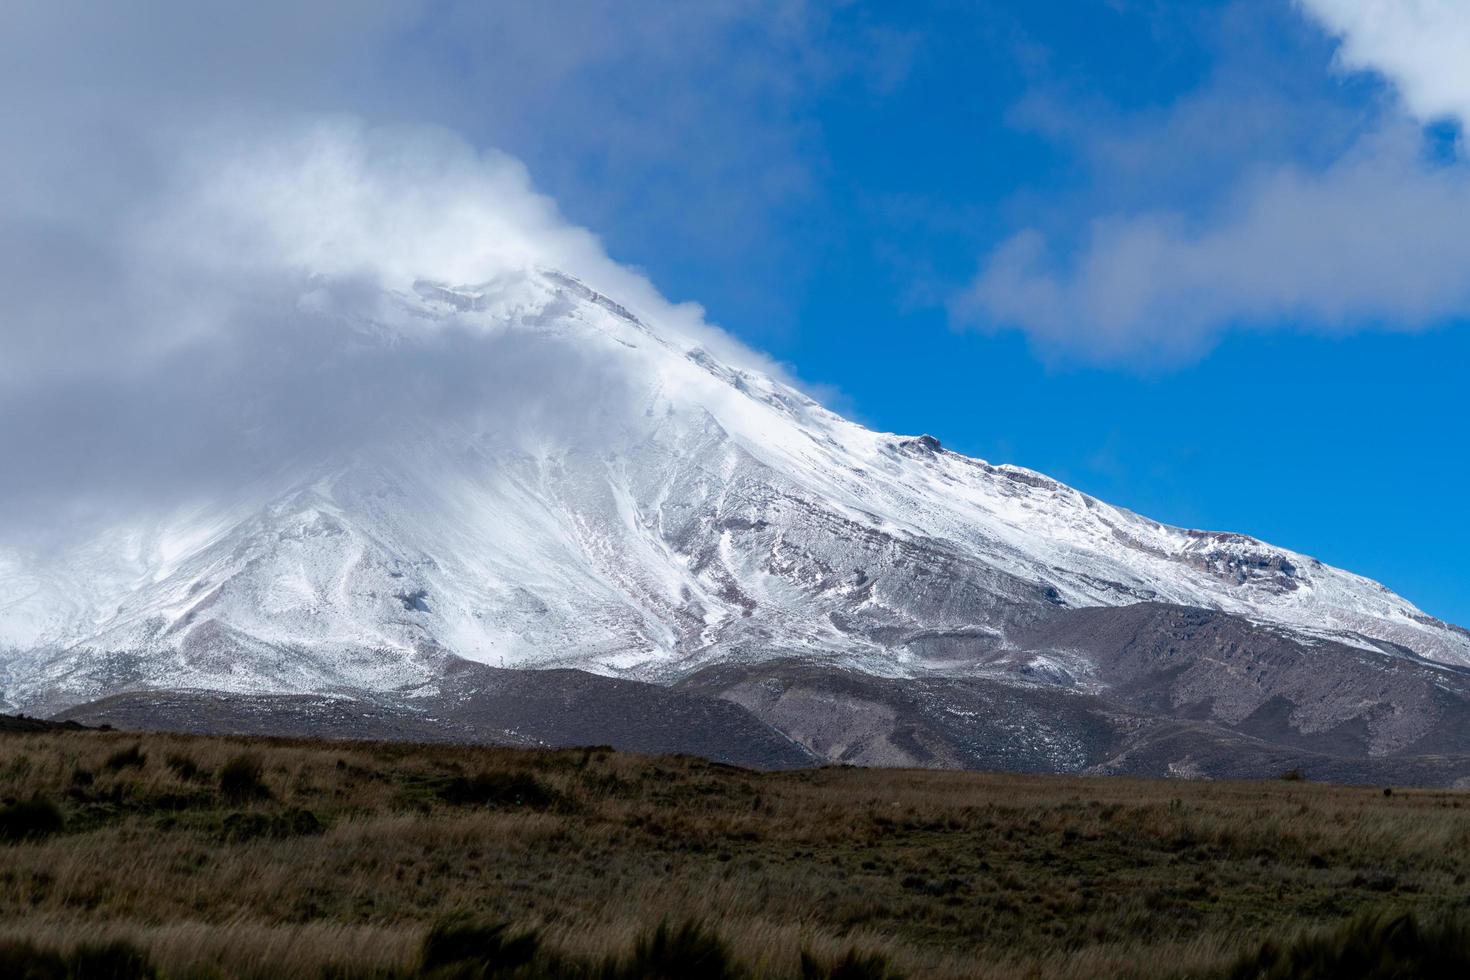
<point x="359" y="848"/>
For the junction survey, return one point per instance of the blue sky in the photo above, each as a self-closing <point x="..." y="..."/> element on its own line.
<point x="1204" y="260"/>
<point x="934" y="132"/>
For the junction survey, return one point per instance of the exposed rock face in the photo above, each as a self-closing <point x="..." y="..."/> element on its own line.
<point x="663" y="514"/>
<point x="1265" y="681"/>
<point x="1147" y="689"/>
<point x="482" y="705"/>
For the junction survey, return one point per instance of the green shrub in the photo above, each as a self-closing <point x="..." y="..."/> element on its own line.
<point x="463" y="948"/>
<point x="249" y="825"/>
<point x="1371" y="947"/>
<point x="116" y="960"/>
<point x="182" y="766"/>
<point x="669" y="953"/>
<point x="498" y="789"/>
<point x="29" y="820"/>
<point x="131" y="757"/>
<point x="24" y="960"/>
<point x="241" y="780"/>
<point x="851" y="966"/>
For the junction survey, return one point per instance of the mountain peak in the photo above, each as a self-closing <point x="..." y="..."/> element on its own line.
<point x="645" y="515"/>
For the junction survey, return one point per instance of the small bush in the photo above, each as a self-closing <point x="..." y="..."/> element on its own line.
<point x="852" y="966"/>
<point x="29" y="820"/>
<point x="460" y="947"/>
<point x="498" y="789"/>
<point x="296" y="822"/>
<point x="118" y="960"/>
<point x="241" y="781"/>
<point x="669" y="953"/>
<point x="1294" y="776"/>
<point x="1372" y="947"/>
<point x="182" y="766"/>
<point x="131" y="757"/>
<point x="26" y="960"/>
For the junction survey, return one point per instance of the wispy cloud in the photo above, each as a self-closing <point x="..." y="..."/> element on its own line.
<point x="1419" y="45"/>
<point x="246" y="321"/>
<point x="1312" y="223"/>
<point x="199" y="209"/>
<point x="1372" y="240"/>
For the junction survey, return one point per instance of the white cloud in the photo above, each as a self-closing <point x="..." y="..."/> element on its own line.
<point x="177" y="179"/>
<point x="342" y="200"/>
<point x="1349" y="226"/>
<point x="223" y="343"/>
<point x="99" y="102"/>
<point x="1376" y="239"/>
<point x="1421" y="46"/>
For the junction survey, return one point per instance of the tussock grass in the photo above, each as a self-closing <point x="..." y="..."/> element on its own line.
<point x="255" y="858"/>
<point x="240" y="780"/>
<point x="117" y="960"/>
<point x="1371" y="947"/>
<point x="29" y="819"/>
<point x="125" y="758"/>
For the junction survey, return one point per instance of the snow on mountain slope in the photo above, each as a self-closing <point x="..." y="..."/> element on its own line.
<point x="659" y="509"/>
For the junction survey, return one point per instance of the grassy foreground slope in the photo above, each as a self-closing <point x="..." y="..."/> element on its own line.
<point x="253" y="858"/>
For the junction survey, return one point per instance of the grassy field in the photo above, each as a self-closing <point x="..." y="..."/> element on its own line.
<point x="201" y="857"/>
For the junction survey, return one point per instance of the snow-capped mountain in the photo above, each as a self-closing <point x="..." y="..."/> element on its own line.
<point x="652" y="510"/>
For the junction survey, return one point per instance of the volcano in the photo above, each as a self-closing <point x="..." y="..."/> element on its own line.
<point x="649" y="523"/>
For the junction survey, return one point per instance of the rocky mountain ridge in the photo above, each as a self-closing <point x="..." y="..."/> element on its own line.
<point x="651" y="511"/>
